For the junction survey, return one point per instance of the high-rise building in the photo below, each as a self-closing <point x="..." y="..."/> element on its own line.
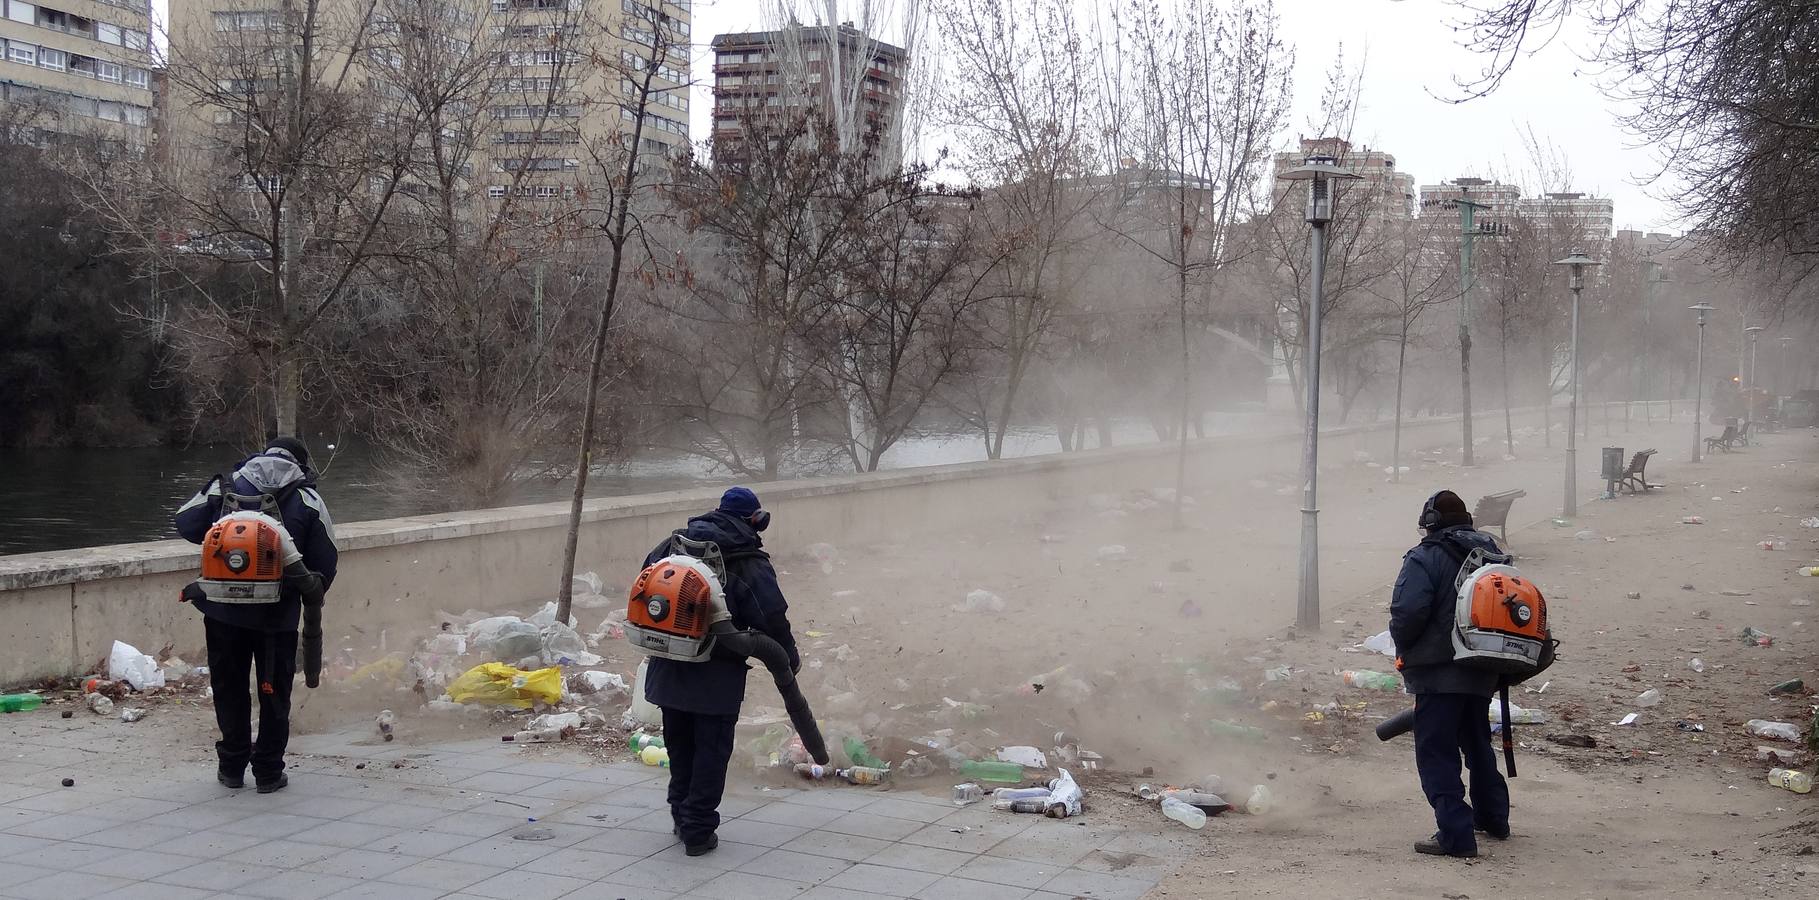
<point x="1574" y="218"/>
<point x="1389" y="194"/>
<point x="765" y="75"/>
<point x="559" y="74"/>
<point x="1498" y="199"/>
<point x="77" y="69"/>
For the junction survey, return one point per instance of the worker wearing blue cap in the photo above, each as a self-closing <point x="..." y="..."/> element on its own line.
<point x="700" y="700"/>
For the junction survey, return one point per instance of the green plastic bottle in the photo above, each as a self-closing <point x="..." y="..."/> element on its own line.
<point x="1222" y="728"/>
<point x="861" y="755"/>
<point x="19" y="702"/>
<point x="992" y="770"/>
<point x="641" y="740"/>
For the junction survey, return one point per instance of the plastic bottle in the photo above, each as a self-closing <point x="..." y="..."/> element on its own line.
<point x="1222" y="728"/>
<point x="1185" y="813"/>
<point x="1648" y="698"/>
<point x="864" y="774"/>
<point x="386" y="720"/>
<point x="793" y="752"/>
<point x="992" y="770"/>
<point x="967" y="794"/>
<point x="1205" y="801"/>
<point x="1371" y="681"/>
<point x="1791" y="779"/>
<point x="1808" y="571"/>
<point x="1037" y="805"/>
<point x="811" y="771"/>
<point x="1260" y="801"/>
<point x="1793" y="686"/>
<point x="641" y="740"/>
<point x="19" y="702"/>
<point x="1756" y="637"/>
<point x="1781" y="731"/>
<point x="540" y="736"/>
<point x="1696" y="664"/>
<point x="654" y="756"/>
<point x="861" y="755"/>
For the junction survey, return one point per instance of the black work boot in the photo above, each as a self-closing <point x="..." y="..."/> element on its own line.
<point x="235" y="780"/>
<point x="276" y="784"/>
<point x="703" y="848"/>
<point x="1432" y="847"/>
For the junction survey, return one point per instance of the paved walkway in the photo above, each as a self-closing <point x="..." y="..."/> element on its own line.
<point x="456" y="823"/>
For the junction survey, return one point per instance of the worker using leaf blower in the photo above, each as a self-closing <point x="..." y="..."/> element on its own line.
<point x="268" y="558"/>
<point x="707" y="601"/>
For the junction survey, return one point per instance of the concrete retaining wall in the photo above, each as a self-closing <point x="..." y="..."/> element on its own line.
<point x="64" y="609"/>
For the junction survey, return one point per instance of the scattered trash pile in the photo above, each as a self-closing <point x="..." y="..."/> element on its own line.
<point x="126" y="686"/>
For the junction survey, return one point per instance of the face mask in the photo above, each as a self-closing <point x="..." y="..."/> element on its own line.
<point x="760" y="520"/>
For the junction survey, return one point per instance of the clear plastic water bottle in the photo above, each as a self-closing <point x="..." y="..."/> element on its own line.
<point x="968" y="794"/>
<point x="1696" y="664"/>
<point x="386" y="721"/>
<point x="1260" y="801"/>
<point x="1185" y="813"/>
<point x="1648" y="698"/>
<point x="1036" y="805"/>
<point x="1791" y="779"/>
<point x="811" y="771"/>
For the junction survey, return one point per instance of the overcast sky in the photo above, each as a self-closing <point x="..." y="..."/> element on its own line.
<point x="1409" y="54"/>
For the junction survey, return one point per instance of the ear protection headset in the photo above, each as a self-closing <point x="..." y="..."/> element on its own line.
<point x="1430" y="516"/>
<point x="760" y="520"/>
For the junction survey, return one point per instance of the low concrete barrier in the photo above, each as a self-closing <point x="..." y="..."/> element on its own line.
<point x="64" y="609"/>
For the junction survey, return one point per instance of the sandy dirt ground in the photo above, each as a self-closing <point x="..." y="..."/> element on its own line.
<point x="1138" y="653"/>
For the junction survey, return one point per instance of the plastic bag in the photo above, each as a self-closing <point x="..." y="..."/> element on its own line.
<point x="126" y="663"/>
<point x="497" y="684"/>
<point x="1380" y="643"/>
<point x="557" y="721"/>
<point x="603" y="681"/>
<point x="1780" y="731"/>
<point x="1064" y="792"/>
<point x="503" y="638"/>
<point x="642" y="711"/>
<point x="546" y="616"/>
<point x="563" y="645"/>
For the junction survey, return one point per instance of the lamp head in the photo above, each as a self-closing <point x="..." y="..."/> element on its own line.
<point x="1319" y="171"/>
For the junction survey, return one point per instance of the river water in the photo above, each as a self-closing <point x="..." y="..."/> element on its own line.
<point x="57" y="499"/>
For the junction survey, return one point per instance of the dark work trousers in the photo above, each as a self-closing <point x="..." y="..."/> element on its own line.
<point x="233" y="654"/>
<point x="1446" y="727"/>
<point x="700" y="747"/>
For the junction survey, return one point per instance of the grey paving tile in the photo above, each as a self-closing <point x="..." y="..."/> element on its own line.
<point x="665" y="875"/>
<point x="208" y="814"/>
<point x="569" y="789"/>
<point x="654" y="820"/>
<point x="210" y="844"/>
<point x="500" y="782"/>
<point x="914" y="810"/>
<point x="61" y="827"/>
<point x="545" y="769"/>
<point x="849" y="847"/>
<point x="10" y="792"/>
<point x="152" y="890"/>
<point x="380" y="890"/>
<point x="132" y="835"/>
<point x="865" y="824"/>
<point x="629" y="843"/>
<point x="1098" y="886"/>
<point x="640" y="798"/>
<point x="793" y="814"/>
<point x="617" y="775"/>
<point x="298" y="885"/>
<point x="283" y="853"/>
<point x="66" y="886"/>
<point x="595" y="815"/>
<point x="1165" y="845"/>
<point x="329" y="807"/>
<point x="883" y="880"/>
<point x="343" y="834"/>
<point x="845" y="799"/>
<point x="420" y="843"/>
<point x="218" y="874"/>
<point x="734" y="807"/>
<point x="475" y="824"/>
<point x="794" y="866"/>
<point x="763" y="834"/>
<point x="445" y="874"/>
<point x="522" y="885"/>
<point x="970" y="838"/>
<point x="19" y="874"/>
<point x="607" y="890"/>
<point x="1024" y="874"/>
<point x="196" y="790"/>
<point x="577" y="863"/>
<point x="829" y="892"/>
<point x="922" y="859"/>
<point x="500" y="851"/>
<point x="729" y="855"/>
<point x="361" y="865"/>
<point x="67" y="855"/>
<point x="951" y="888"/>
<point x="139" y="865"/>
<point x="15" y="844"/>
<point x="746" y="886"/>
<point x="1127" y="864"/>
<point x="63" y="801"/>
<point x="1051" y="841"/>
<point x="276" y="825"/>
<point x="399" y="815"/>
<point x="133" y="809"/>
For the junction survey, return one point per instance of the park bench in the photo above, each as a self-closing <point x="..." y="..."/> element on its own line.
<point x="1494" y="510"/>
<point x="1726" y="441"/>
<point x="1633" y="477"/>
<point x="1743" y="434"/>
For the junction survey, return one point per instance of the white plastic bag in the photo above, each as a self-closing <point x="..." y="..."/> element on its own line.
<point x="126" y="663"/>
<point x="1381" y="643"/>
<point x="1780" y="731"/>
<point x="1027" y="757"/>
<point x="505" y="638"/>
<point x="603" y="681"/>
<point x="563" y="646"/>
<point x="557" y="721"/>
<point x="643" y="712"/>
<point x="1064" y="792"/>
<point x="546" y="616"/>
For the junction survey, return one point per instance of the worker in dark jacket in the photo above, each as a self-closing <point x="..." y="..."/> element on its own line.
<point x="700" y="700"/>
<point x="1452" y="701"/>
<point x="243" y="637"/>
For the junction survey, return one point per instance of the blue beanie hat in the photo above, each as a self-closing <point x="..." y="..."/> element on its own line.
<point x="739" y="501"/>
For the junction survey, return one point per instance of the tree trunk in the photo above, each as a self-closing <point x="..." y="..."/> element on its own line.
<point x="1503" y="374"/>
<point x="1396" y="444"/>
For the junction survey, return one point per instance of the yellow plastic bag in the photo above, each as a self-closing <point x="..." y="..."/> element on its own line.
<point x="497" y="684"/>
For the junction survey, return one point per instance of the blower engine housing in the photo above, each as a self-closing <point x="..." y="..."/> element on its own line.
<point x="243" y="559"/>
<point x="673" y="607"/>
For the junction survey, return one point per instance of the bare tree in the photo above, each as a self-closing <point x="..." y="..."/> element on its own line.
<point x="1416" y="278"/>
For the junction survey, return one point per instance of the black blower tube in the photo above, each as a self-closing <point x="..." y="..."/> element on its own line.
<point x="309" y="585"/>
<point x="765" y="649"/>
<point x="1397" y="725"/>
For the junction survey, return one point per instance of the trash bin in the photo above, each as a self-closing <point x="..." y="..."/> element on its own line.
<point x="1613" y="464"/>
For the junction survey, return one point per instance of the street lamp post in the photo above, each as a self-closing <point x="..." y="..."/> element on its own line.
<point x="1575" y="271"/>
<point x="1783" y="384"/>
<point x="1703" y="309"/>
<point x="1650" y="279"/>
<point x="1319" y="172"/>
<point x="1749" y="390"/>
<point x="1467" y="227"/>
